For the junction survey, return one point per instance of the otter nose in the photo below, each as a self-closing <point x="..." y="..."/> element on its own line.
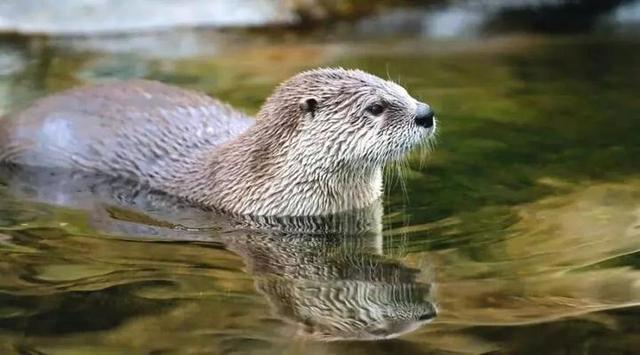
<point x="424" y="115"/>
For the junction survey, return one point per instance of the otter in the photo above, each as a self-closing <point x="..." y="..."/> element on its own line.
<point x="317" y="147"/>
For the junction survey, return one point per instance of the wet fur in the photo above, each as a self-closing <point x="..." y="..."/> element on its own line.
<point x="291" y="161"/>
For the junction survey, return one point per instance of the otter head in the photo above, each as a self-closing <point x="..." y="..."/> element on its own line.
<point x="351" y="118"/>
<point x="320" y="142"/>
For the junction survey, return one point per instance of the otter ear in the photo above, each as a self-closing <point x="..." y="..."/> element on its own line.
<point x="309" y="105"/>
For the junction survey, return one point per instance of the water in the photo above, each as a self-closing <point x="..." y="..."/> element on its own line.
<point x="522" y="228"/>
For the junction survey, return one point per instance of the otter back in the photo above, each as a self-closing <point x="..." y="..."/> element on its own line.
<point x="137" y="129"/>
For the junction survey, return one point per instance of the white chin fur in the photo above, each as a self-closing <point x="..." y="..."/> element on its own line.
<point x="432" y="130"/>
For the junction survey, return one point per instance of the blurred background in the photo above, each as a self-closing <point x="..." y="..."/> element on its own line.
<point x="526" y="216"/>
<point x="52" y="44"/>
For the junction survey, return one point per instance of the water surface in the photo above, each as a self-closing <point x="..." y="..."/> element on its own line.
<point x="522" y="228"/>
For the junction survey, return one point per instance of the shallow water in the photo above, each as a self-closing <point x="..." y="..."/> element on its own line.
<point x="522" y="228"/>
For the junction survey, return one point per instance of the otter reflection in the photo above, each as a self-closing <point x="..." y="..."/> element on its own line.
<point x="334" y="286"/>
<point x="325" y="275"/>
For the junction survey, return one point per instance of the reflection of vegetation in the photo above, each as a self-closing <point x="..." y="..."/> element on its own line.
<point x="565" y="110"/>
<point x="566" y="336"/>
<point x="80" y="311"/>
<point x="527" y="209"/>
<point x="517" y="127"/>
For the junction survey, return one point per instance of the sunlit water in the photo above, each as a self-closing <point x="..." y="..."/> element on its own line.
<point x="521" y="230"/>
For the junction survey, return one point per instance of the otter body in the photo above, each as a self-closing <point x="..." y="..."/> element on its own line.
<point x="140" y="130"/>
<point x="317" y="147"/>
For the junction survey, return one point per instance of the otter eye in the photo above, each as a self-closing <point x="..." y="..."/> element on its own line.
<point x="375" y="109"/>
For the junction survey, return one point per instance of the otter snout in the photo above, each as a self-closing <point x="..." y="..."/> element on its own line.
<point x="424" y="115"/>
